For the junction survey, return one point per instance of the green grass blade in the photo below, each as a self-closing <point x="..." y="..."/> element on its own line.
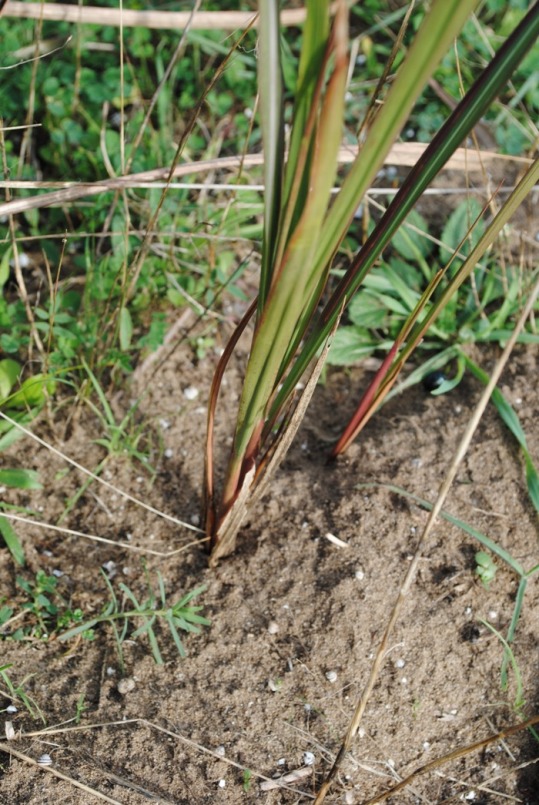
<point x="146" y="625"/>
<point x="82" y="627"/>
<point x="20" y="479"/>
<point x="190" y="617"/>
<point x="155" y="647"/>
<point x="294" y="281"/>
<point x="109" y="416"/>
<point x="450" y="136"/>
<point x="504" y="407"/>
<point x="175" y="636"/>
<point x="113" y="599"/>
<point x="311" y="77"/>
<point x="509" y="657"/>
<point x="271" y="110"/>
<point x="532" y="479"/>
<point x="130" y="595"/>
<point x="511" y="632"/>
<point x="315" y="35"/>
<point x="12" y="541"/>
<point x="437" y="32"/>
<point x="188" y="597"/>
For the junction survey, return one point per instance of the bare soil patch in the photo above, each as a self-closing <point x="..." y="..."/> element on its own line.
<point x="295" y="618"/>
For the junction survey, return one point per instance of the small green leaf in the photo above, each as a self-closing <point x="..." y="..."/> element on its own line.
<point x="247" y="774"/>
<point x="20" y="479"/>
<point x="349" y="345"/>
<point x="175" y="635"/>
<point x="486" y="567"/>
<point x="12" y="541"/>
<point x="9" y="373"/>
<point x="175" y="297"/>
<point x="456" y="227"/>
<point x="367" y="311"/>
<point x="408" y="243"/>
<point x="126" y="329"/>
<point x="450" y="383"/>
<point x="78" y="630"/>
<point x="155" y="647"/>
<point x="32" y="392"/>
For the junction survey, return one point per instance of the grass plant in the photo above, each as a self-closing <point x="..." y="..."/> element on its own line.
<point x="303" y="231"/>
<point x="16" y="693"/>
<point x="44" y="613"/>
<point x="107" y="268"/>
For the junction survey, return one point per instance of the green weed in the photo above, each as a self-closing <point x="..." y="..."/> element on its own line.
<point x="44" y="613"/>
<point x="180" y="616"/>
<point x="247" y="780"/>
<point x="486" y="568"/>
<point x="80" y="708"/>
<point x="16" y="693"/>
<point x="84" y="112"/>
<point x="482" y="311"/>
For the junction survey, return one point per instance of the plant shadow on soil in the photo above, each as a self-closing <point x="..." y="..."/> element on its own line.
<point x="295" y="618"/>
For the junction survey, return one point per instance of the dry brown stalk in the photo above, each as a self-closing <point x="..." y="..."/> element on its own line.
<point x="92" y="15"/>
<point x="403" y="154"/>
<point x="10" y="750"/>
<point x="455" y="755"/>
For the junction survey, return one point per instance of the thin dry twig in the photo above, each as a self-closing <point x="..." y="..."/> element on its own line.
<point x="95" y="477"/>
<point x="410" y="575"/>
<point x="70" y="532"/>
<point x="151" y="725"/>
<point x="455" y="755"/>
<point x="402" y="154"/>
<point x="10" y="750"/>
<point x="92" y="15"/>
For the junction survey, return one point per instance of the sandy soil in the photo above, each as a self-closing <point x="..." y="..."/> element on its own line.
<point x="270" y="686"/>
